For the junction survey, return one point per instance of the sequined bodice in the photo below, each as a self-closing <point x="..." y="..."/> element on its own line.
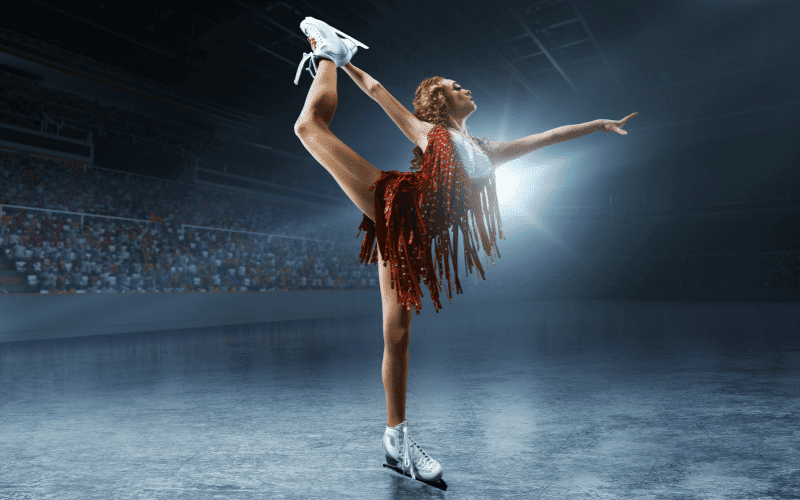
<point x="472" y="157"/>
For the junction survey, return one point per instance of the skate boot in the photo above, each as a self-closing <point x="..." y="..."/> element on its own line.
<point x="402" y="452"/>
<point x="329" y="46"/>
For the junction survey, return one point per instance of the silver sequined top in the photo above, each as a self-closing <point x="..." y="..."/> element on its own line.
<point x="475" y="162"/>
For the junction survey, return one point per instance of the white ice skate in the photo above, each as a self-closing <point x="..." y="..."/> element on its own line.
<point x="405" y="456"/>
<point x="329" y="46"/>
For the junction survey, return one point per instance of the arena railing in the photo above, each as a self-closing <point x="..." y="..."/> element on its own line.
<point x="181" y="231"/>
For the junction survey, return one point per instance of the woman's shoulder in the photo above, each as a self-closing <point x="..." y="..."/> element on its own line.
<point x="428" y="129"/>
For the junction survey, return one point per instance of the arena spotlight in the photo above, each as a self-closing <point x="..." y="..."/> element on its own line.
<point x="508" y="190"/>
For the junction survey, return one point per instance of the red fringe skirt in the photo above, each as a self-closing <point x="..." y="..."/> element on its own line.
<point x="419" y="218"/>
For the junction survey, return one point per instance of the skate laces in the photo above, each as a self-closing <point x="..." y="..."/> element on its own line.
<point x="315" y="35"/>
<point x="407" y="453"/>
<point x="306" y="57"/>
<point x="422" y="459"/>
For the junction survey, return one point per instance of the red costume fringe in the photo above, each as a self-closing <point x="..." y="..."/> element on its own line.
<point x="415" y="212"/>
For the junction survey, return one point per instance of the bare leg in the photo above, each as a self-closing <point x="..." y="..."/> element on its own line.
<point x="396" y="318"/>
<point x="353" y="173"/>
<point x="396" y="336"/>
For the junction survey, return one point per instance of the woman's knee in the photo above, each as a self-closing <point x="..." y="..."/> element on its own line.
<point x="311" y="130"/>
<point x="303" y="126"/>
<point x="396" y="337"/>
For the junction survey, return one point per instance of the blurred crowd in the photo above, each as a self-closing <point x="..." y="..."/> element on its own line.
<point x="56" y="253"/>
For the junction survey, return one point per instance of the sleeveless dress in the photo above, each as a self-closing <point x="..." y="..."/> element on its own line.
<point x="454" y="192"/>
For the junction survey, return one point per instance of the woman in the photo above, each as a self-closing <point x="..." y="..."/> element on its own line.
<point x="412" y="214"/>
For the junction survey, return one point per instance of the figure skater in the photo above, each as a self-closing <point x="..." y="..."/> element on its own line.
<point x="408" y="217"/>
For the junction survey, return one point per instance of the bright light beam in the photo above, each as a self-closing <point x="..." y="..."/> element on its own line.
<point x="509" y="193"/>
<point x="526" y="189"/>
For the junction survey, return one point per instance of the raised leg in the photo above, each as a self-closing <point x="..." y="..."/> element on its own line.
<point x="355" y="175"/>
<point x="396" y="336"/>
<point x="352" y="172"/>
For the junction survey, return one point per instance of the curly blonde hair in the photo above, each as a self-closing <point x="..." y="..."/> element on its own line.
<point x="432" y="105"/>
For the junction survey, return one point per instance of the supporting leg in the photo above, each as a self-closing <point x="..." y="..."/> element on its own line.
<point x="395" y="382"/>
<point x="396" y="336"/>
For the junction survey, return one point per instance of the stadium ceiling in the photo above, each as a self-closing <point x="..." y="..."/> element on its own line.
<point x="675" y="62"/>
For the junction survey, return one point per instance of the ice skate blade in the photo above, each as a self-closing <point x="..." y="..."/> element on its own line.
<point x="350" y="37"/>
<point x="440" y="484"/>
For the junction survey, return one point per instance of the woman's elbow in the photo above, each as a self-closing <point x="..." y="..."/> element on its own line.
<point x="374" y="89"/>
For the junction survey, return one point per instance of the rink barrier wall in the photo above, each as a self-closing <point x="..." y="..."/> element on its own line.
<point x="26" y="317"/>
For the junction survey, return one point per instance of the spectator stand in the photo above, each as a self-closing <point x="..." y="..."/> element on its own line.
<point x="125" y="254"/>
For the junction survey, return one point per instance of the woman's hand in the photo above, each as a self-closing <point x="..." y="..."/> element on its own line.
<point x="615" y="125"/>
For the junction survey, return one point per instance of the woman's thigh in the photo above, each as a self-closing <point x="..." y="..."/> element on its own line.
<point x="353" y="173"/>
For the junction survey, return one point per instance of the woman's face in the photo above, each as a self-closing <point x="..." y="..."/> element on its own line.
<point x="461" y="103"/>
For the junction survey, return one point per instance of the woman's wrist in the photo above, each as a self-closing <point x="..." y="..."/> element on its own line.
<point x="362" y="79"/>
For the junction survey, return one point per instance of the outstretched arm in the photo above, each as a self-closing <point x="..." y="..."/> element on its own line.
<point x="507" y="151"/>
<point x="414" y="128"/>
<point x="363" y="80"/>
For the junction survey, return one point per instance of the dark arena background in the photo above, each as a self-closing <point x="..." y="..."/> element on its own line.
<point x="183" y="313"/>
